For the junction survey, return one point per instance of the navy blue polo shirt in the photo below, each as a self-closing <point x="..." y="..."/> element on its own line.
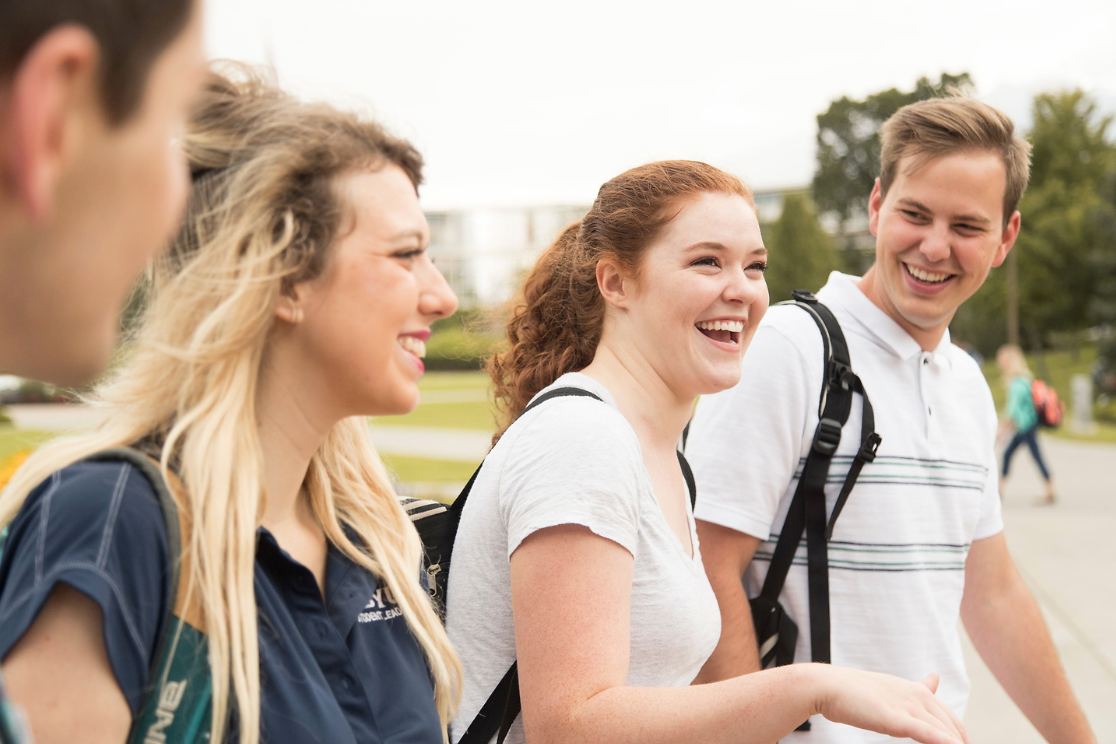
<point x="339" y="670"/>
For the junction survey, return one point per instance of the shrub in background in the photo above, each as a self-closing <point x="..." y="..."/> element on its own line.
<point x="462" y="341"/>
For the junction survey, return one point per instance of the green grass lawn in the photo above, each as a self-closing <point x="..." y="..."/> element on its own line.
<point x="478" y="415"/>
<point x="1105" y="432"/>
<point x="1058" y="369"/>
<point x="470" y="414"/>
<point x="13" y="440"/>
<point x="407" y="469"/>
<point x="1060" y="366"/>
<point x="422" y="470"/>
<point x="454" y="381"/>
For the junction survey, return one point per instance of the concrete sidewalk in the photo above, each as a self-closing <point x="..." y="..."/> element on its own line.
<point x="466" y="445"/>
<point x="1067" y="555"/>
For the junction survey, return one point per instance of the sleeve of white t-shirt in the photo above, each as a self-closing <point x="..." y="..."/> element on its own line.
<point x="575" y="461"/>
<point x="745" y="443"/>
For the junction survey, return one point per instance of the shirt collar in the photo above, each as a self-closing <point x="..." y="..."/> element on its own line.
<point x="348" y="588"/>
<point x="842" y="291"/>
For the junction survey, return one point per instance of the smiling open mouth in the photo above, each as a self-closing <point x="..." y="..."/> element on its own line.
<point x="927" y="277"/>
<point x="413" y="345"/>
<point x="725" y="331"/>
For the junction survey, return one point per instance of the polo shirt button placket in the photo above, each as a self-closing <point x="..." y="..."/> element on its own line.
<point x="935" y="366"/>
<point x="924" y="388"/>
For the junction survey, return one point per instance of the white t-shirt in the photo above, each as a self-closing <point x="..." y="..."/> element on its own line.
<point x="897" y="557"/>
<point x="574" y="460"/>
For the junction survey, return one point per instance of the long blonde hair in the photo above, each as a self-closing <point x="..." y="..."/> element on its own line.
<point x="1012" y="362"/>
<point x="262" y="215"/>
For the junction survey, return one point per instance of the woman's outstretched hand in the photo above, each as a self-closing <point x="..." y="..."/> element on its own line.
<point x="890" y="705"/>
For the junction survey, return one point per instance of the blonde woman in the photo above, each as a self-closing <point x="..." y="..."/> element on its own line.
<point x="1020" y="417"/>
<point x="295" y="301"/>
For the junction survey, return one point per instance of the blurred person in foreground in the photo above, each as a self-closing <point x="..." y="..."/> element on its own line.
<point x="295" y="301"/>
<point x="576" y="555"/>
<point x="920" y="542"/>
<point x="92" y="96"/>
<point x="1020" y="417"/>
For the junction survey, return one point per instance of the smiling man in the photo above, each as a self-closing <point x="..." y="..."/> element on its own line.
<point x="920" y="542"/>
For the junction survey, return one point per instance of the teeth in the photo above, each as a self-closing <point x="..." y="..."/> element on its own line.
<point x="926" y="276"/>
<point x="736" y="326"/>
<point x="414" y="345"/>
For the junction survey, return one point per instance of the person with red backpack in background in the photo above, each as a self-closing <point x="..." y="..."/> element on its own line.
<point x="1021" y="416"/>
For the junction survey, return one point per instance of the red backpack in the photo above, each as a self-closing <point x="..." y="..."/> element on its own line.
<point x="1049" y="407"/>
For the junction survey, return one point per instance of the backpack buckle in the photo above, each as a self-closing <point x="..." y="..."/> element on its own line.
<point x="870" y="447"/>
<point x="840" y="375"/>
<point x="827" y="436"/>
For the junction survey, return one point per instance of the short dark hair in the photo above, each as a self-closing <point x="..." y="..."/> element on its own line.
<point x="131" y="33"/>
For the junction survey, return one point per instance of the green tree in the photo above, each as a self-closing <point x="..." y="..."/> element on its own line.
<point x="1102" y="308"/>
<point x="848" y="142"/>
<point x="802" y="253"/>
<point x="1065" y="248"/>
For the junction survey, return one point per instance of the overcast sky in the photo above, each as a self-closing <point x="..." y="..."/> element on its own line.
<point x="518" y="102"/>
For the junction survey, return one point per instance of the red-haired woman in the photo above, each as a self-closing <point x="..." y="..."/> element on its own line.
<point x="576" y="553"/>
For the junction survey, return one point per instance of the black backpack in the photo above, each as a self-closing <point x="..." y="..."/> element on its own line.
<point x="437" y="526"/>
<point x="776" y="632"/>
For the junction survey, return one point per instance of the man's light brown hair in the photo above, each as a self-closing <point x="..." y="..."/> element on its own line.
<point x="943" y="126"/>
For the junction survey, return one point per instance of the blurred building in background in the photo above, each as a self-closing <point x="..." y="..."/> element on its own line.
<point x="485" y="252"/>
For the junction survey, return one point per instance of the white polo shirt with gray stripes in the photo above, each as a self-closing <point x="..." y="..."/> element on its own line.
<point x="898" y="551"/>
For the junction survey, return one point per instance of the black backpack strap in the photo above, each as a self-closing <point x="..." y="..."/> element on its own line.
<point x="459" y="503"/>
<point x="687" y="472"/>
<point x="807" y="510"/>
<point x="562" y="392"/>
<point x="499" y="712"/>
<point x="688" y="475"/>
